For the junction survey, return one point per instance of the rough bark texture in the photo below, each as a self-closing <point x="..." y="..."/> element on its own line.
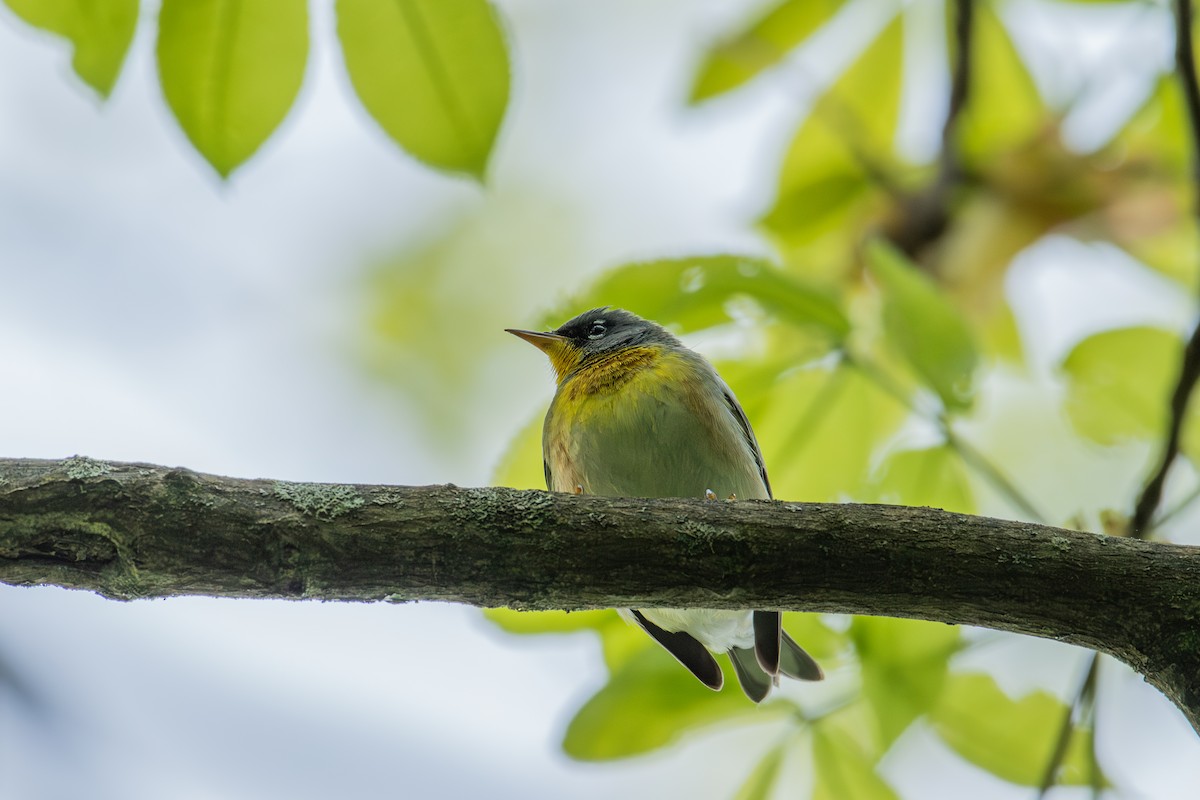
<point x="137" y="530"/>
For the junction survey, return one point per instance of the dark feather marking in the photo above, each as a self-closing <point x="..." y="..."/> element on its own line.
<point x="748" y="433"/>
<point x="755" y="683"/>
<point x="688" y="651"/>
<point x="767" y="633"/>
<point x="549" y="477"/>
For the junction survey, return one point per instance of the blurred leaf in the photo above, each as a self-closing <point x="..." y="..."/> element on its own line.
<point x="521" y="466"/>
<point x="922" y="325"/>
<point x="433" y="73"/>
<point x="844" y="769"/>
<point x="230" y="71"/>
<point x="848" y="134"/>
<point x="694" y="293"/>
<point x="1012" y="739"/>
<point x="1157" y="132"/>
<point x="810" y="631"/>
<point x="1005" y="109"/>
<point x="904" y="666"/>
<point x="818" y="429"/>
<point x="100" y="32"/>
<point x="648" y="703"/>
<point x="527" y="622"/>
<point x="763" y="778"/>
<point x="761" y="45"/>
<point x="935" y="477"/>
<point x="1119" y="384"/>
<point x="620" y="640"/>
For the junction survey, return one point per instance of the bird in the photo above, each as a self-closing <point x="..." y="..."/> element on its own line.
<point x="638" y="414"/>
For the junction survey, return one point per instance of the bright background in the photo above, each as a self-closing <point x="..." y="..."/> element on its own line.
<point x="150" y="312"/>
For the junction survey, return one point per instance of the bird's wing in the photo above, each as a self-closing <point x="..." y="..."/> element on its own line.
<point x="549" y="475"/>
<point x="755" y="683"/>
<point x="687" y="650"/>
<point x="736" y="409"/>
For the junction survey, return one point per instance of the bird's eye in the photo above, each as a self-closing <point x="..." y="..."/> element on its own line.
<point x="597" y="330"/>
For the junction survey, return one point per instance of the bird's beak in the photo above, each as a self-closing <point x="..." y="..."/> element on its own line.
<point x="563" y="355"/>
<point x="548" y="343"/>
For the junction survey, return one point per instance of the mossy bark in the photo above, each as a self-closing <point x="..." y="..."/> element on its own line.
<point x="137" y="530"/>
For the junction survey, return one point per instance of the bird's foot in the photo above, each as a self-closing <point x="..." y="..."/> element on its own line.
<point x="709" y="494"/>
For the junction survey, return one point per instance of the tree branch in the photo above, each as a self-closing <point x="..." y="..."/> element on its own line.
<point x="137" y="530"/>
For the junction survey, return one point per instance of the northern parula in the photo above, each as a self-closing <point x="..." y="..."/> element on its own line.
<point x="637" y="414"/>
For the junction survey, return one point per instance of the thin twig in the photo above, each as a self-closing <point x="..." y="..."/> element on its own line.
<point x="927" y="212"/>
<point x="1185" y="69"/>
<point x="1083" y="697"/>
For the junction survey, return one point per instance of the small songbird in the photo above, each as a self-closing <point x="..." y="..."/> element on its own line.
<point x="637" y="414"/>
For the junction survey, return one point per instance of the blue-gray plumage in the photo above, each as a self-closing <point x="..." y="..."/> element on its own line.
<point x="637" y="414"/>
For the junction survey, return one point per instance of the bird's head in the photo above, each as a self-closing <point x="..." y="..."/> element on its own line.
<point x="594" y="333"/>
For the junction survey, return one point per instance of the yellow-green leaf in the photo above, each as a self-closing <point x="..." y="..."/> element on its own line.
<point x="1005" y="109"/>
<point x="694" y="293"/>
<point x="1012" y="739"/>
<point x="819" y="428"/>
<point x="521" y="465"/>
<point x="759" y="46"/>
<point x="935" y="477"/>
<point x="844" y="769"/>
<point x="527" y="622"/>
<point x="230" y="70"/>
<point x="433" y="73"/>
<point x="924" y="327"/>
<point x="100" y="32"/>
<point x="824" y="173"/>
<point x="1119" y="384"/>
<point x="649" y="703"/>
<point x="904" y="665"/>
<point x="763" y="777"/>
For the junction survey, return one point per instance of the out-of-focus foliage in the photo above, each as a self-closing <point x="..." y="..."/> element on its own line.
<point x="230" y="71"/>
<point x="1013" y="739"/>
<point x="863" y="361"/>
<point x="433" y="73"/>
<point x="760" y="46"/>
<point x="100" y="32"/>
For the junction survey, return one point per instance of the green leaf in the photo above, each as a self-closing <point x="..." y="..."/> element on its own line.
<point x="824" y="175"/>
<point x="904" y="665"/>
<point x="694" y="293"/>
<point x="935" y="477"/>
<point x="433" y="73"/>
<point x="1119" y="383"/>
<point x="230" y="70"/>
<point x="649" y="703"/>
<point x="100" y="32"/>
<point x="763" y="44"/>
<point x="1005" y="109"/>
<point x="819" y="428"/>
<point x="844" y="769"/>
<point x="521" y="465"/>
<point x="533" y="622"/>
<point x="762" y="779"/>
<point x="923" y="326"/>
<point x="1012" y="739"/>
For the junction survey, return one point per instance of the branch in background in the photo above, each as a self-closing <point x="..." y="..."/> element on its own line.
<point x="927" y="213"/>
<point x="1189" y="372"/>
<point x="138" y="530"/>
